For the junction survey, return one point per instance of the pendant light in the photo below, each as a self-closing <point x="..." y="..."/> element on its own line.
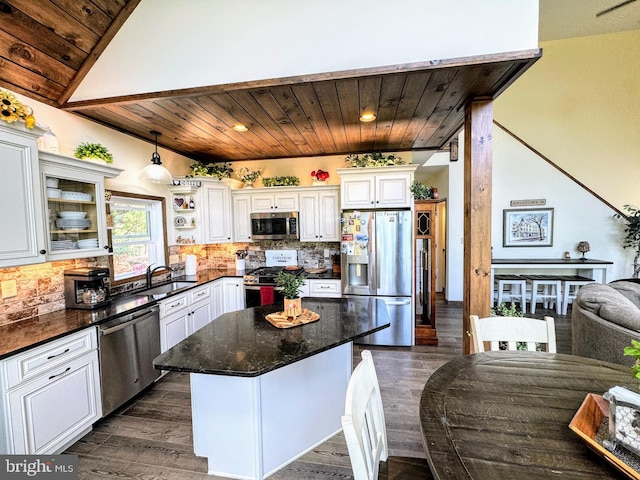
<point x="155" y="172"/>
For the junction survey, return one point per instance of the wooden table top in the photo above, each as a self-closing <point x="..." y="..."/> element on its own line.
<point x="506" y="415"/>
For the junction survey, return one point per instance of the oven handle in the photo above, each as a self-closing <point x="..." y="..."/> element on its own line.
<point x="132" y="320"/>
<point x="258" y="287"/>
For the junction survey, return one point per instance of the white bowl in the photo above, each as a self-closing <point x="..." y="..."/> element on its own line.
<point x="74" y="215"/>
<point x="53" y="192"/>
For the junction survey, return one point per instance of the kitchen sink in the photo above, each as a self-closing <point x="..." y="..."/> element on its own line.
<point x="161" y="290"/>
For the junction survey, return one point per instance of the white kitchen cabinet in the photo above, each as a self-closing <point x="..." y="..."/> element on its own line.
<point x="217" y="214"/>
<point x="181" y="315"/>
<point x="283" y="201"/>
<point x="233" y="292"/>
<point x="79" y="190"/>
<point x="50" y="395"/>
<point x="217" y="298"/>
<point x="21" y="196"/>
<point x="325" y="287"/>
<point x="319" y="215"/>
<point x="378" y="187"/>
<point x="241" y="217"/>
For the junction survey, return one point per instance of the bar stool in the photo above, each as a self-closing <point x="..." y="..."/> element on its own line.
<point x="516" y="292"/>
<point x="546" y="289"/>
<point x="570" y="286"/>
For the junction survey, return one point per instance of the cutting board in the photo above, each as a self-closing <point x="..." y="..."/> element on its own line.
<point x="315" y="270"/>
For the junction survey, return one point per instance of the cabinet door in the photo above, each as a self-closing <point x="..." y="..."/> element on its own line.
<point x="308" y="219"/>
<point x="53" y="410"/>
<point x="241" y="218"/>
<point x="217" y="299"/>
<point x="328" y="216"/>
<point x="218" y="213"/>
<point x="286" y="201"/>
<point x="233" y="294"/>
<point x="200" y="316"/>
<point x="262" y="202"/>
<point x="357" y="192"/>
<point x="393" y="190"/>
<point x="21" y="198"/>
<point x="173" y="329"/>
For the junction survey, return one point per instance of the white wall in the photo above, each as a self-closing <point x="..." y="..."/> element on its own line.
<point x="237" y="41"/>
<point x="520" y="174"/>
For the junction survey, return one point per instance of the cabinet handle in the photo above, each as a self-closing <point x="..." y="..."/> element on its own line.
<point x="174" y="305"/>
<point x="61" y="373"/>
<point x="200" y="294"/>
<point x="43" y="251"/>
<point x="57" y="354"/>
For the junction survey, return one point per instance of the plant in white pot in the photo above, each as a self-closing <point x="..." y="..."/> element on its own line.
<point x="290" y="286"/>
<point x="88" y="151"/>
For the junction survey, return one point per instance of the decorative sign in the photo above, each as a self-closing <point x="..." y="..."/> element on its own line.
<point x="535" y="202"/>
<point x="191" y="183"/>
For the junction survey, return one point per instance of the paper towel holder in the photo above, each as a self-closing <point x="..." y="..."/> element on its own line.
<point x="190" y="265"/>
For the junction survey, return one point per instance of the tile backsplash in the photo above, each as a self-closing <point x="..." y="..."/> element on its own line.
<point x="40" y="288"/>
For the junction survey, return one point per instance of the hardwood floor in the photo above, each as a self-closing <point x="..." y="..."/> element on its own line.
<point x="151" y="436"/>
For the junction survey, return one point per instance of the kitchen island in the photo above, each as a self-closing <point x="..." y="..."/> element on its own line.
<point x="262" y="396"/>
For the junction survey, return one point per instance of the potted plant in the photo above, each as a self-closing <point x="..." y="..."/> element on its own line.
<point x="88" y="150"/>
<point x="290" y="286"/>
<point x="632" y="234"/>
<point x="420" y="191"/>
<point x="211" y="170"/>
<point x="248" y="176"/>
<point x="320" y="177"/>
<point x="374" y="159"/>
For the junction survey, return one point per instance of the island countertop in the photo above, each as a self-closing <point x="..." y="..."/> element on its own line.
<point x="245" y="344"/>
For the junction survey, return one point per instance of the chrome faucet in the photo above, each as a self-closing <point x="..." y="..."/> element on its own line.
<point x="150" y="272"/>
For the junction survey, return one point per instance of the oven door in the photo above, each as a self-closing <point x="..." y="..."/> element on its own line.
<point x="254" y="297"/>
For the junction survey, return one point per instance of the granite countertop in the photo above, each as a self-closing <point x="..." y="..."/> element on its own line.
<point x="244" y="344"/>
<point x="19" y="336"/>
<point x="549" y="261"/>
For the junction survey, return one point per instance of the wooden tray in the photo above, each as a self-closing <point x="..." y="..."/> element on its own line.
<point x="280" y="320"/>
<point x="586" y="422"/>
<point x="316" y="270"/>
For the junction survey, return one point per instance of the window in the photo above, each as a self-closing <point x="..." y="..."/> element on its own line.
<point x="137" y="235"/>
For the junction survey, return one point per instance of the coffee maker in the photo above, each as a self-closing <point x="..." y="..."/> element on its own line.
<point x="86" y="288"/>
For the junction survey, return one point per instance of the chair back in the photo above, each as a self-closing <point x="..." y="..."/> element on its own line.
<point x="363" y="421"/>
<point x="493" y="330"/>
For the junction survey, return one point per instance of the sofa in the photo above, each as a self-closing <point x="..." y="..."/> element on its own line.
<point x="604" y="319"/>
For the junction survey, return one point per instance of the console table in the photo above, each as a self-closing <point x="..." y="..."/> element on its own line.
<point x="592" y="268"/>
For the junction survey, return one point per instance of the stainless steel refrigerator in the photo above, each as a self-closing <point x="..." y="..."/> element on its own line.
<point x="376" y="261"/>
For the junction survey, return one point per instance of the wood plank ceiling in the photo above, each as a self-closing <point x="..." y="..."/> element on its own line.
<point x="47" y="47"/>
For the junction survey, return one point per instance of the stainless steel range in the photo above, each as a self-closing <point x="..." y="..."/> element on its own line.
<point x="260" y="284"/>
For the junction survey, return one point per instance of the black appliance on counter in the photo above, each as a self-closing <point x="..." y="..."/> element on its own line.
<point x="86" y="288"/>
<point x="260" y="285"/>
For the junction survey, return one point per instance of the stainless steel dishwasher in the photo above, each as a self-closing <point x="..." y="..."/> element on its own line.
<point x="127" y="347"/>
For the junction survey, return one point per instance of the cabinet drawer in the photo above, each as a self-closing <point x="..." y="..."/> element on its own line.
<point x="173" y="304"/>
<point x="38" y="360"/>
<point x="324" y="288"/>
<point x="200" y="294"/>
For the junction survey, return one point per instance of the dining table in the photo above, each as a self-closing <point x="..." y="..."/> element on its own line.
<point x="506" y="415"/>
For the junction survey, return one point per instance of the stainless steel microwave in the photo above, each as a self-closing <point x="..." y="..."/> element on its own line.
<point x="274" y="226"/>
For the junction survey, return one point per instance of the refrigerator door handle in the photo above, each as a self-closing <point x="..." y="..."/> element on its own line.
<point x="398" y="302"/>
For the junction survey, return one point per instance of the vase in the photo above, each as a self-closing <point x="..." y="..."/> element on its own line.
<point x="292" y="307"/>
<point x="248" y="185"/>
<point x="317" y="182"/>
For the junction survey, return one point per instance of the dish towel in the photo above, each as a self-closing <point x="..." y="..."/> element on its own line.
<point x="266" y="295"/>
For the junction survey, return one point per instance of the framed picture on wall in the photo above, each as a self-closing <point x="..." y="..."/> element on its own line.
<point x="527" y="227"/>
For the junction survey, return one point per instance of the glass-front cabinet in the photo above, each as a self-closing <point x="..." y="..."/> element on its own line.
<point x="75" y="216"/>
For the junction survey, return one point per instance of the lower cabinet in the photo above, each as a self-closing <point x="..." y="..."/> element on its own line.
<point x="181" y="315"/>
<point x="48" y="411"/>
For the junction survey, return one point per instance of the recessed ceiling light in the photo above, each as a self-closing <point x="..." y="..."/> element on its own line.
<point x="240" y="128"/>
<point x="367" y="117"/>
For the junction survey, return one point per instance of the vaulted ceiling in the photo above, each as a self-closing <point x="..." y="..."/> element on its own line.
<point x="47" y="47"/>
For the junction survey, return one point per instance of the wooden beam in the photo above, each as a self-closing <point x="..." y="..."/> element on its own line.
<point x="478" y="158"/>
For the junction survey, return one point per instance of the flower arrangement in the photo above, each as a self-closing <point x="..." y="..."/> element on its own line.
<point x="373" y="160"/>
<point x="320" y="175"/>
<point x="280" y="181"/>
<point x="211" y="170"/>
<point x="12" y="110"/>
<point x="246" y="175"/>
<point x="93" y="150"/>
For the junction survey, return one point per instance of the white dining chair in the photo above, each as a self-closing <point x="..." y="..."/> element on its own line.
<point x="365" y="431"/>
<point x="512" y="330"/>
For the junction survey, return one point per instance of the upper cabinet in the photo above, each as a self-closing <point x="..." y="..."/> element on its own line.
<point x="75" y="213"/>
<point x="319" y="214"/>
<point x="379" y="187"/>
<point x="241" y="213"/>
<point x="187" y="214"/>
<point x="283" y="201"/>
<point x="216" y="198"/>
<point x="21" y="197"/>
